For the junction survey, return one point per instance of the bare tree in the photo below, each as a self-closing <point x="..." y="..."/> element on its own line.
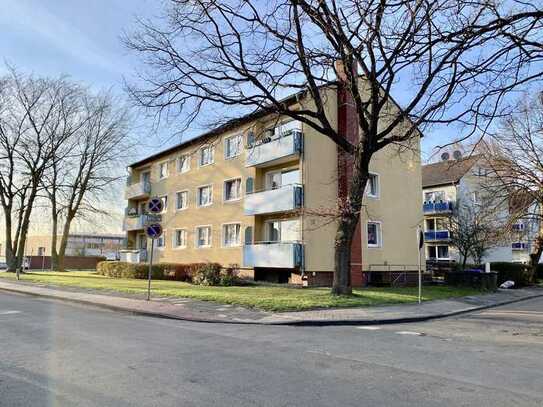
<point x="515" y="170"/>
<point x="450" y="61"/>
<point x="474" y="229"/>
<point x="85" y="170"/>
<point x="31" y="121"/>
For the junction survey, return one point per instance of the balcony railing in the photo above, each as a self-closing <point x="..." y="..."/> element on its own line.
<point x="134" y="223"/>
<point x="519" y="246"/>
<point x="286" y="198"/>
<point x="139" y="190"/>
<point x="273" y="255"/>
<point x="274" y="150"/>
<point x="133" y="255"/>
<point x="436" y="235"/>
<point x="437" y="207"/>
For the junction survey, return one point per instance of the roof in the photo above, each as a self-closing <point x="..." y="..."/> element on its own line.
<point x="446" y="172"/>
<point x="235" y="123"/>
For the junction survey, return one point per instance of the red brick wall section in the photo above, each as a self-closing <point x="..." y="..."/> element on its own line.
<point x="70" y="262"/>
<point x="348" y="128"/>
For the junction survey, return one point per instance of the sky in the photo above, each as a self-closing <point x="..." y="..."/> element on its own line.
<point x="82" y="39"/>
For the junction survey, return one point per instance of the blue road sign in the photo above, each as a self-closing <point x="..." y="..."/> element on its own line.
<point x="153" y="231"/>
<point x="155" y="205"/>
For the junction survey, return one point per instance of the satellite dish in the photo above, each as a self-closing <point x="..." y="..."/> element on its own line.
<point x="457" y="154"/>
<point x="445" y="156"/>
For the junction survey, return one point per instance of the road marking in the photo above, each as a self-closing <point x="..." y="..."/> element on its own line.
<point x="369" y="328"/>
<point x="9" y="312"/>
<point x="410" y="333"/>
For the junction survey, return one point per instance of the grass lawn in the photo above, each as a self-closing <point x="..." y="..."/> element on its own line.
<point x="263" y="296"/>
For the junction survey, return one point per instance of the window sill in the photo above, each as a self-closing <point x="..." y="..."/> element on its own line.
<point x="374" y="246"/>
<point x="232" y="200"/>
<point x="205" y="206"/>
<point x="203" y="247"/>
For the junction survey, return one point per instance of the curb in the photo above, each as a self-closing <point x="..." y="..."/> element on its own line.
<point x="317" y="322"/>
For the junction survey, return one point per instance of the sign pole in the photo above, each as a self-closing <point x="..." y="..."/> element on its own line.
<point x="420" y="241"/>
<point x="150" y="270"/>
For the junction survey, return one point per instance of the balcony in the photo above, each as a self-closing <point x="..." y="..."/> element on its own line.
<point x="519" y="246"/>
<point x="133" y="255"/>
<point x="431" y="207"/>
<point x="136" y="222"/>
<point x="272" y="151"/>
<point x="436" y="235"/>
<point x="286" y="198"/>
<point x="273" y="255"/>
<point x="139" y="190"/>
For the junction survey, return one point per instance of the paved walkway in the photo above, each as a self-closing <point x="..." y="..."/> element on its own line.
<point x="204" y="311"/>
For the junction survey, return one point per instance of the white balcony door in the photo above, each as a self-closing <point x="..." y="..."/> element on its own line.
<point x="283" y="230"/>
<point x="142" y="241"/>
<point x="146" y="177"/>
<point x="277" y="179"/>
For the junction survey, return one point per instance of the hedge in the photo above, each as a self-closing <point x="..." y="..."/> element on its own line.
<point x="517" y="272"/>
<point x="196" y="273"/>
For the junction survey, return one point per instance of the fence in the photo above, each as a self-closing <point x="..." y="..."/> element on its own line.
<point x="394" y="275"/>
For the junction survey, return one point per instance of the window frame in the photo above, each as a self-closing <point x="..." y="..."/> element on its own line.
<point x="240" y="190"/>
<point x="200" y="150"/>
<point x="198" y="189"/>
<point x="174" y="239"/>
<point x="377" y="195"/>
<point x="180" y="170"/>
<point x="160" y="164"/>
<point x="223" y="235"/>
<point x="379" y="243"/>
<point x="226" y="139"/>
<point x="163" y="237"/>
<point x="177" y="209"/>
<point x="197" y="236"/>
<point x="164" y="203"/>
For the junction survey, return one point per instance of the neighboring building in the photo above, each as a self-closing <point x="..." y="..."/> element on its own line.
<point x="453" y="182"/>
<point x="252" y="193"/>
<point x="79" y="244"/>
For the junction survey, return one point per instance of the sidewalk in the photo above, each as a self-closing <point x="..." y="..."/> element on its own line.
<point x="202" y="311"/>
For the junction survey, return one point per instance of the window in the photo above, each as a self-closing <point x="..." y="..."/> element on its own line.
<point x="232" y="189"/>
<point x="205" y="195"/>
<point x="206" y="156"/>
<point x="182" y="200"/>
<point x="438" y="252"/>
<point x="183" y="163"/>
<point x="180" y="238"/>
<point x="164" y="200"/>
<point x="442" y="252"/>
<point x="283" y="230"/>
<point x="163" y="170"/>
<point x="203" y="236"/>
<point x="434" y="196"/>
<point x="232" y="146"/>
<point x="373" y="186"/>
<point x="374" y="234"/>
<point x="161" y="241"/>
<point x="475" y="197"/>
<point x="277" y="179"/>
<point x="231" y="235"/>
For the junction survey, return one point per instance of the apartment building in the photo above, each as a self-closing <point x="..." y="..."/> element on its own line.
<point x="455" y="182"/>
<point x="253" y="193"/>
<point x="79" y="244"/>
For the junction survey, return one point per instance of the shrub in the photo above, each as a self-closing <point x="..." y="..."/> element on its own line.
<point x="229" y="276"/>
<point x="196" y="273"/>
<point x="207" y="274"/>
<point x="519" y="273"/>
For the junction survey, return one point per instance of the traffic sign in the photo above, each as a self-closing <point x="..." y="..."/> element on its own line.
<point x="155" y="205"/>
<point x="153" y="218"/>
<point x="153" y="231"/>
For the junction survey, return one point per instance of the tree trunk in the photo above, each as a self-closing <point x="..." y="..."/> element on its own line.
<point x="54" y="235"/>
<point x="350" y="216"/>
<point x="64" y="241"/>
<point x="342" y="260"/>
<point x="11" y="259"/>
<point x="535" y="255"/>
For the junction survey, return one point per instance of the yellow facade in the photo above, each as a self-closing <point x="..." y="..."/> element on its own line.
<point x="398" y="206"/>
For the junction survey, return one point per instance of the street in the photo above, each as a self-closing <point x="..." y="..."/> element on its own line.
<point x="60" y="354"/>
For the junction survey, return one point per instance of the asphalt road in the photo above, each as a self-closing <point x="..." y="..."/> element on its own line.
<point x="59" y="354"/>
